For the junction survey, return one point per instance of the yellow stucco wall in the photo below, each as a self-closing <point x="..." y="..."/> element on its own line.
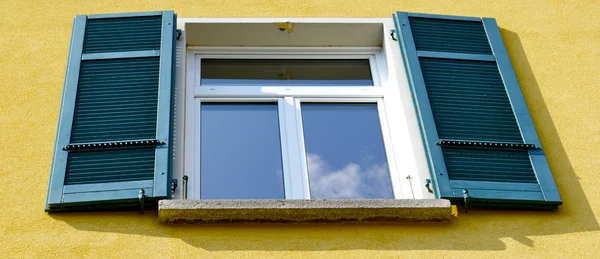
<point x="554" y="47"/>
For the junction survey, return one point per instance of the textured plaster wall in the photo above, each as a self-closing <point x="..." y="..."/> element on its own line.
<point x="554" y="47"/>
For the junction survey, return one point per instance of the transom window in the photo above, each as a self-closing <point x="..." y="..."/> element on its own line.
<point x="290" y="123"/>
<point x="286" y="72"/>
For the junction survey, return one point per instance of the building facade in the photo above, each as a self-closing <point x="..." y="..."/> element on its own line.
<point x="553" y="49"/>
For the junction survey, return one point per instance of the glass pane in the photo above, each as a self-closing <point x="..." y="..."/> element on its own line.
<point x="286" y="72"/>
<point x="240" y="151"/>
<point x="345" y="151"/>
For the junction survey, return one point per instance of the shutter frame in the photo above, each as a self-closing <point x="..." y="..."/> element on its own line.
<point x="543" y="194"/>
<point x="112" y="195"/>
<point x="524" y="120"/>
<point x="164" y="123"/>
<point x="67" y="109"/>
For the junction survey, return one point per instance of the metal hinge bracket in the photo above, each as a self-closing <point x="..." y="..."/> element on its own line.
<point x="173" y="185"/>
<point x="185" y="183"/>
<point x="141" y="200"/>
<point x="393" y="35"/>
<point x="428" y="185"/>
<point x="466" y="197"/>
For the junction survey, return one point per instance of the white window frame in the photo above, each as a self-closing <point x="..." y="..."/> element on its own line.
<point x="373" y="54"/>
<point x="411" y="166"/>
<point x="289" y="99"/>
<point x="194" y="141"/>
<point x="399" y="187"/>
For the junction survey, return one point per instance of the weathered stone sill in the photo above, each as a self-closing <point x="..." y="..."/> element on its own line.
<point x="299" y="211"/>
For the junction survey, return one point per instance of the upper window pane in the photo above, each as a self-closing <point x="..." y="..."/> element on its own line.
<point x="286" y="72"/>
<point x="345" y="151"/>
<point x="240" y="156"/>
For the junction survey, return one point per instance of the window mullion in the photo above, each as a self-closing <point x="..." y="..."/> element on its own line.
<point x="294" y="177"/>
<point x="285" y="152"/>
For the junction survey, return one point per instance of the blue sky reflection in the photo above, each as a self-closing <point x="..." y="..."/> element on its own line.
<point x="345" y="151"/>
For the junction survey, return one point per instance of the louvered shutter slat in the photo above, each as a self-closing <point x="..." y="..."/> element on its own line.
<point x="478" y="133"/>
<point x="113" y="140"/>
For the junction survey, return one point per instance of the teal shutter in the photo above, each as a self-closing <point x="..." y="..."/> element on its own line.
<point x="112" y="148"/>
<point x="476" y="128"/>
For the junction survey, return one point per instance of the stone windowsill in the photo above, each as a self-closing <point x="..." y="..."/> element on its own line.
<point x="298" y="211"/>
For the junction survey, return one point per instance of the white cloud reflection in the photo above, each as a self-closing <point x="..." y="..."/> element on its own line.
<point x="351" y="181"/>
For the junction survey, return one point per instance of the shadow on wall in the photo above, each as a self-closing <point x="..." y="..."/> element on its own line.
<point x="481" y="229"/>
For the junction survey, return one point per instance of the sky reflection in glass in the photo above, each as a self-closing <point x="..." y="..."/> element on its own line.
<point x="240" y="151"/>
<point x="345" y="151"/>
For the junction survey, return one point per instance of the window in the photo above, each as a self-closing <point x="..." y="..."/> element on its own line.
<point x="345" y="152"/>
<point x="240" y="151"/>
<point x="291" y="123"/>
<point x="286" y="72"/>
<point x="443" y="127"/>
<point x="416" y="106"/>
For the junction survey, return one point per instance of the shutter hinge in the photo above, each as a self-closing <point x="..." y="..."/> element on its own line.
<point x="173" y="185"/>
<point x="393" y="35"/>
<point x="428" y="185"/>
<point x="179" y="32"/>
<point x="467" y="198"/>
<point x="141" y="200"/>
